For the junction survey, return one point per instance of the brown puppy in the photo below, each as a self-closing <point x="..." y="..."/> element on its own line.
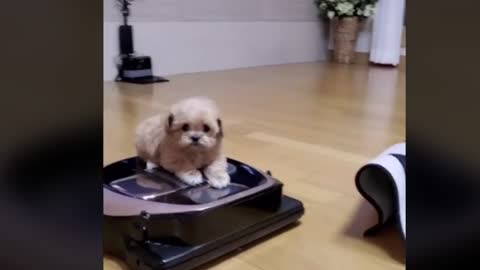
<point x="185" y="141"/>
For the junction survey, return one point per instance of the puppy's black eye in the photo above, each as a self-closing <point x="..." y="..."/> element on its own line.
<point x="185" y="127"/>
<point x="206" y="128"/>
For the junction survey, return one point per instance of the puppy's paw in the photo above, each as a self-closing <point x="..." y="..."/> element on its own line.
<point x="151" y="165"/>
<point x="192" y="178"/>
<point x="217" y="178"/>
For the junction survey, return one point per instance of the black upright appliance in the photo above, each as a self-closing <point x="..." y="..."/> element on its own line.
<point x="132" y="68"/>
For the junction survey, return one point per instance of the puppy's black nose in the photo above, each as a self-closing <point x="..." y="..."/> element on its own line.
<point x="195" y="138"/>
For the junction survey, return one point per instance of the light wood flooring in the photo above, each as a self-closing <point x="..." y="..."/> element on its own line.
<point x="313" y="125"/>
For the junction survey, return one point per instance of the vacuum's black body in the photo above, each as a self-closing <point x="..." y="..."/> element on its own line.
<point x="153" y="221"/>
<point x="132" y="68"/>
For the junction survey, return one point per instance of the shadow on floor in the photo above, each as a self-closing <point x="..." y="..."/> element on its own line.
<point x="389" y="238"/>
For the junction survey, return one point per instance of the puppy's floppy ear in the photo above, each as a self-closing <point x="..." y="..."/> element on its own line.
<point x="169" y="121"/>
<point x="220" y="128"/>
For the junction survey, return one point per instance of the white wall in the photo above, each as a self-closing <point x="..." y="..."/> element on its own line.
<point x="215" y="10"/>
<point x="183" y="47"/>
<point x="185" y="36"/>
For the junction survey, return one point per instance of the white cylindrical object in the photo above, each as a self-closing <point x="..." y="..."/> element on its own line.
<point x="387" y="32"/>
<point x="390" y="168"/>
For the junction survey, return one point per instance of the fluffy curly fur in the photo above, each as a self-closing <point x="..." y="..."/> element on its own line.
<point x="186" y="141"/>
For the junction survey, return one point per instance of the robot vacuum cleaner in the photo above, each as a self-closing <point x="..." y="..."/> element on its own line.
<point x="153" y="221"/>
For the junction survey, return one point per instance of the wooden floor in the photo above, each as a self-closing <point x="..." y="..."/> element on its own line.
<point x="313" y="125"/>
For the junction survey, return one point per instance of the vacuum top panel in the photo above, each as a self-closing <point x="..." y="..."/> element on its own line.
<point x="160" y="186"/>
<point x="130" y="188"/>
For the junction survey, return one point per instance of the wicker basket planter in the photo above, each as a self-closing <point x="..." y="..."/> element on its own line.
<point x="345" y="39"/>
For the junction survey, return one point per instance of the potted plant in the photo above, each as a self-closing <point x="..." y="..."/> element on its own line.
<point x="346" y="16"/>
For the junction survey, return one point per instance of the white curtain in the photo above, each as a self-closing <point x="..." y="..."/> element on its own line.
<point x="387" y="32"/>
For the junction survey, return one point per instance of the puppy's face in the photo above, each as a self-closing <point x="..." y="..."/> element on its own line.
<point x="198" y="133"/>
<point x="195" y="125"/>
